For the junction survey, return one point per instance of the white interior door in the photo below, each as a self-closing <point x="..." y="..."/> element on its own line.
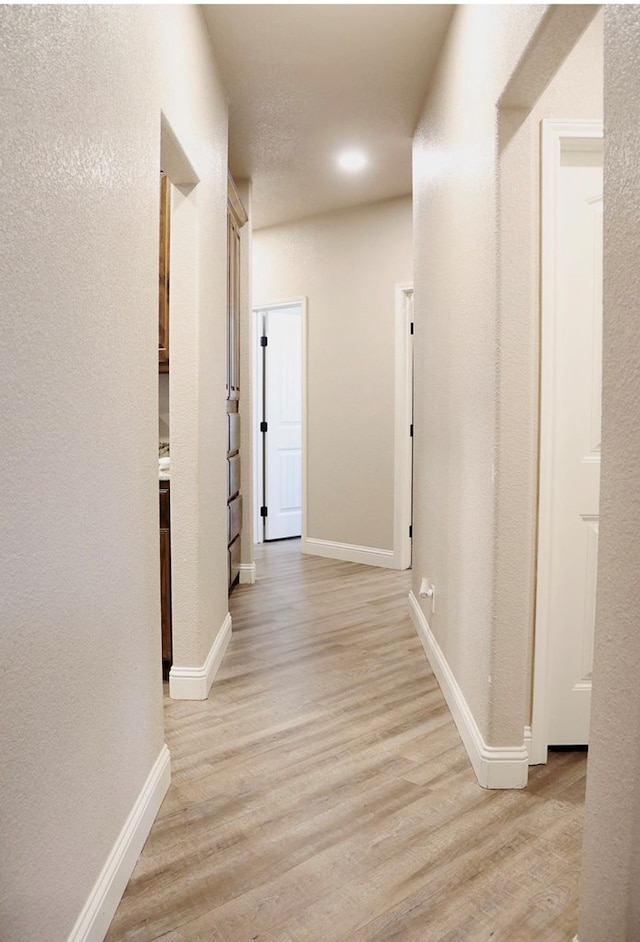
<point x="570" y="442"/>
<point x="403" y="462"/>
<point x="283" y="417"/>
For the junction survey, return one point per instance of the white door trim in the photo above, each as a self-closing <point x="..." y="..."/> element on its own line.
<point x="257" y="406"/>
<point x="554" y="136"/>
<point x="402" y="473"/>
<point x="256" y="412"/>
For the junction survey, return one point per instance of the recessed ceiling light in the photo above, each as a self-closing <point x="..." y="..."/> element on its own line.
<point x="352" y="160"/>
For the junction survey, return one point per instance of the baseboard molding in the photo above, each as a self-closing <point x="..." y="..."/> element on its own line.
<point x="350" y="553"/>
<point x="94" y="920"/>
<point x="538" y="748"/>
<point x="495" y="766"/>
<point x="194" y="683"/>
<point x="527" y="743"/>
<point x="247" y="573"/>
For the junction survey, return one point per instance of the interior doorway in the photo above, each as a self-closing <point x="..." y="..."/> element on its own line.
<point x="570" y="418"/>
<point x="174" y="371"/>
<point x="279" y="425"/>
<point x="403" y="423"/>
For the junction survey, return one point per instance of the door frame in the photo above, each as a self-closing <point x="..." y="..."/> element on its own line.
<point x="258" y="461"/>
<point x="555" y="136"/>
<point x="403" y="459"/>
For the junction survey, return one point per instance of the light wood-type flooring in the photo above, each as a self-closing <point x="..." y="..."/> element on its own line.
<point x="322" y="794"/>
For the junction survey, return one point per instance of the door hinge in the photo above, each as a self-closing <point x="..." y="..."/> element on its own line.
<point x="263" y="427"/>
<point x="263" y="512"/>
<point x="411" y="327"/>
<point x="411" y="430"/>
<point x="410" y="531"/>
<point x="264" y="341"/>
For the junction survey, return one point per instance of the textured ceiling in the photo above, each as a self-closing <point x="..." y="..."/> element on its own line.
<point x="305" y="81"/>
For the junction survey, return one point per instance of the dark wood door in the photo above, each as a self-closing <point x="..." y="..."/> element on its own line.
<point x="165" y="577"/>
<point x="163" y="280"/>
<point x="236" y="218"/>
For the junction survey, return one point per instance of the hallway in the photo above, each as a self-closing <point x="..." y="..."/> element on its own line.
<point x="321" y="793"/>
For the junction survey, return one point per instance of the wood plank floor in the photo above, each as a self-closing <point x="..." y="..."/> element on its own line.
<point x="321" y="793"/>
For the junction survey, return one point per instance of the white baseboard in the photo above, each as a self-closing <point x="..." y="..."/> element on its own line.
<point x="247" y="573"/>
<point x="94" y="920"/>
<point x="194" y="683"/>
<point x="350" y="553"/>
<point x="536" y="750"/>
<point x="495" y="766"/>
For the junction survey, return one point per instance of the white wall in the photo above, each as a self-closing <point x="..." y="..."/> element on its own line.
<point x="81" y="710"/>
<point x="194" y="107"/>
<point x="610" y="903"/>
<point x="476" y="346"/>
<point x="574" y="92"/>
<point x="347" y="264"/>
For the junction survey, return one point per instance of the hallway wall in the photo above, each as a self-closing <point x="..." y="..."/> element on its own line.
<point x="81" y="712"/>
<point x="574" y="92"/>
<point x="348" y="265"/>
<point x="610" y="904"/>
<point x="476" y="349"/>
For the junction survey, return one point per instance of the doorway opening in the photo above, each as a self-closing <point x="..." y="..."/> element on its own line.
<point x="575" y="60"/>
<point x="570" y="421"/>
<point x="280" y="421"/>
<point x="164" y="424"/>
<point x="403" y="423"/>
<point x="181" y="285"/>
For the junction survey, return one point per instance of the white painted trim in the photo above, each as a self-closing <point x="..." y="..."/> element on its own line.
<point x="305" y="415"/>
<point x="247" y="573"/>
<point x="194" y="683"/>
<point x="495" y="766"/>
<point x="554" y="135"/>
<point x="303" y="303"/>
<point x="527" y="742"/>
<point x="256" y="331"/>
<point x="98" y="911"/>
<point x="349" y="552"/>
<point x="402" y="474"/>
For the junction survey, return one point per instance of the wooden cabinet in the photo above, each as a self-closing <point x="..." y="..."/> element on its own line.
<point x="163" y="280"/>
<point x="165" y="576"/>
<point x="236" y="218"/>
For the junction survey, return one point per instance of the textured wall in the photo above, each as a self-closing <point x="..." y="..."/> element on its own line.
<point x="574" y="92"/>
<point x="476" y="349"/>
<point x="193" y="103"/>
<point x="81" y="712"/>
<point x="455" y="303"/>
<point x="347" y="264"/>
<point x="610" y="904"/>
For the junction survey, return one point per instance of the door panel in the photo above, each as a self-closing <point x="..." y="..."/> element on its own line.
<point x="575" y="470"/>
<point x="283" y="414"/>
